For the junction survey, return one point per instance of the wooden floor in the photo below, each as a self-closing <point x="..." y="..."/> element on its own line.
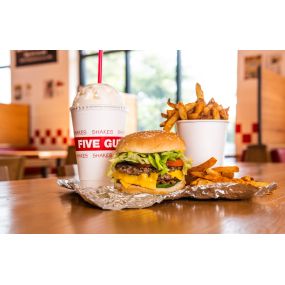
<point x="40" y="206"/>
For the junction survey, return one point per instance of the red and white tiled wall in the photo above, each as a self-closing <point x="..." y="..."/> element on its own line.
<point x="50" y="137"/>
<point x="246" y="133"/>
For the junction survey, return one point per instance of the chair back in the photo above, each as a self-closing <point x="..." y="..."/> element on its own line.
<point x="68" y="171"/>
<point x="71" y="155"/>
<point x="4" y="173"/>
<point x="15" y="165"/>
<point x="256" y="153"/>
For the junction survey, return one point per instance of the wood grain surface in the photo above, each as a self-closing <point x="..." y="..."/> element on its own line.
<point x="14" y="124"/>
<point x="273" y="108"/>
<point x="40" y="206"/>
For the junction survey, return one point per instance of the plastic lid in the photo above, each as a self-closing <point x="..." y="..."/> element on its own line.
<point x="98" y="95"/>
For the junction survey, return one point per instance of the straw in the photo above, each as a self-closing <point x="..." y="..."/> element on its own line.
<point x="100" y="64"/>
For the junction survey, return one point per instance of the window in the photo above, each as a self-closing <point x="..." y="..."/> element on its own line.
<point x="216" y="71"/>
<point x="156" y="76"/>
<point x="153" y="80"/>
<point x="113" y="68"/>
<point x="5" y="77"/>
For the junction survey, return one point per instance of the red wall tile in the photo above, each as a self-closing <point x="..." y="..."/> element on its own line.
<point x="246" y="138"/>
<point x="255" y="127"/>
<point x="37" y="133"/>
<point x="238" y="128"/>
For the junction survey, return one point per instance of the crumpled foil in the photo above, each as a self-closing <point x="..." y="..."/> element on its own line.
<point x="109" y="198"/>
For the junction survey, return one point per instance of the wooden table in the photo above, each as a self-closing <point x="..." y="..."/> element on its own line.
<point x="42" y="159"/>
<point x="40" y="206"/>
<point x="48" y="154"/>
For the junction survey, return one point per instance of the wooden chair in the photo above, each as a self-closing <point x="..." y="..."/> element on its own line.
<point x="4" y="173"/>
<point x="71" y="155"/>
<point x="256" y="153"/>
<point x="15" y="165"/>
<point x="67" y="170"/>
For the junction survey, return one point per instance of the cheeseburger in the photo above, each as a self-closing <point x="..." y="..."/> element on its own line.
<point x="151" y="162"/>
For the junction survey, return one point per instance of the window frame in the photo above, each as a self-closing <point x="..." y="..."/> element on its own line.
<point x="128" y="87"/>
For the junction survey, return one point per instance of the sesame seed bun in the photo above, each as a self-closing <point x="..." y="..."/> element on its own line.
<point x="150" y="142"/>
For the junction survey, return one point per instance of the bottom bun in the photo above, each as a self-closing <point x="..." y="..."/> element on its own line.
<point x="133" y="189"/>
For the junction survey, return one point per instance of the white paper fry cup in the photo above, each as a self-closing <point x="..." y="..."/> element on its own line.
<point x="203" y="139"/>
<point x="97" y="131"/>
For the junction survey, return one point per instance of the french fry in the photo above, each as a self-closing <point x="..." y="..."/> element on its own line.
<point x="228" y="174"/>
<point x="219" y="108"/>
<point x="207" y="164"/>
<point x="247" y="178"/>
<point x="223" y="114"/>
<point x="258" y="184"/>
<point x="190" y="106"/>
<point x="170" y="113"/>
<point x="198" y="110"/>
<point x="203" y="174"/>
<point x="216" y="113"/>
<point x="212" y="178"/>
<point x="199" y="92"/>
<point x="171" y="121"/>
<point x="162" y="124"/>
<point x="193" y="116"/>
<point x="198" y="173"/>
<point x="206" y="111"/>
<point x="226" y="169"/>
<point x="199" y="107"/>
<point x="182" y="111"/>
<point x="200" y="181"/>
<point x="211" y="102"/>
<point x="170" y="104"/>
<point x="210" y="171"/>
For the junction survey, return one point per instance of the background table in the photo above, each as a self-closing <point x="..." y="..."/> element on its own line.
<point x="40" y="206"/>
<point x="45" y="160"/>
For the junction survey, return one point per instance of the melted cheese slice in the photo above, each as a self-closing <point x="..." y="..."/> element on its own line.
<point x="144" y="180"/>
<point x="177" y="174"/>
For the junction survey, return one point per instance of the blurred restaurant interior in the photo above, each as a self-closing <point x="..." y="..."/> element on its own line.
<point x="37" y="88"/>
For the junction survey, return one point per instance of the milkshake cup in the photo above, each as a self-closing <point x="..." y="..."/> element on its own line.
<point x="98" y="116"/>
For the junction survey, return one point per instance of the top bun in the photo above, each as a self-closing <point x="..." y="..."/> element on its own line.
<point x="151" y="142"/>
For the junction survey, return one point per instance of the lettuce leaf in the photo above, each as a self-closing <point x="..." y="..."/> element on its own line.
<point x="157" y="160"/>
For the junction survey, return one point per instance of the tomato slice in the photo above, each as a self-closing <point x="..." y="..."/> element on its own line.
<point x="174" y="163"/>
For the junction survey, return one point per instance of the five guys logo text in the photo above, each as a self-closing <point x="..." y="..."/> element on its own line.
<point x="96" y="143"/>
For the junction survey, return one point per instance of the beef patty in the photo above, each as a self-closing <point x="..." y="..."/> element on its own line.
<point x="138" y="169"/>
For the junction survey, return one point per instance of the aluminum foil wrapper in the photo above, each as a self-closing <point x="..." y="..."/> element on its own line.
<point x="109" y="198"/>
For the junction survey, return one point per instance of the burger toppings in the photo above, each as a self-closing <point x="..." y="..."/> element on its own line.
<point x="159" y="161"/>
<point x="174" y="163"/>
<point x="137" y="169"/>
<point x="143" y="180"/>
<point x="155" y="170"/>
<point x="134" y="168"/>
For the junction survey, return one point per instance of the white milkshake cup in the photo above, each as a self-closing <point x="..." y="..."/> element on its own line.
<point x="98" y="116"/>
